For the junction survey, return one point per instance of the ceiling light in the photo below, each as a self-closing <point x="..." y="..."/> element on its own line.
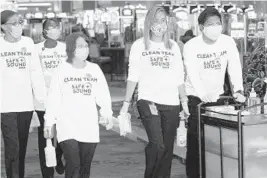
<point x="22" y="8"/>
<point x="34" y="4"/>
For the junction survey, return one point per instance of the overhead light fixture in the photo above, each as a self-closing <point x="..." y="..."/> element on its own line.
<point x="34" y="4"/>
<point x="22" y="8"/>
<point x="38" y="15"/>
<point x="29" y="15"/>
<point x="62" y="15"/>
<point x="50" y="15"/>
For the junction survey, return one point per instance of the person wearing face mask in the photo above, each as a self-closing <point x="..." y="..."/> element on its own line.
<point x="207" y="58"/>
<point x="156" y="65"/>
<point x="77" y="87"/>
<point x="21" y="77"/>
<point x="51" y="53"/>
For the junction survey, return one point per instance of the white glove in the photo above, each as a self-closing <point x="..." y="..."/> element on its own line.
<point x="49" y="132"/>
<point x="210" y="98"/>
<point x="125" y="108"/>
<point x="239" y="97"/>
<point x="110" y="123"/>
<point x="107" y="121"/>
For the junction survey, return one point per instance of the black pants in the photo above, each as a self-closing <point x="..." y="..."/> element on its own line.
<point x="78" y="156"/>
<point x="47" y="172"/>
<point x="192" y="154"/>
<point x="15" y="129"/>
<point x="161" y="132"/>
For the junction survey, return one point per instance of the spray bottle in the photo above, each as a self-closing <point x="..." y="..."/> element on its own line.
<point x="181" y="132"/>
<point x="50" y="154"/>
<point x="253" y="100"/>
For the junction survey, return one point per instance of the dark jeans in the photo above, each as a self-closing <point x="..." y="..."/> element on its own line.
<point x="47" y="172"/>
<point x="192" y="154"/>
<point x="78" y="156"/>
<point x="161" y="132"/>
<point x="15" y="129"/>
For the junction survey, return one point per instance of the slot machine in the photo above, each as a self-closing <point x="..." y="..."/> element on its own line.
<point x="140" y="14"/>
<point x="113" y="22"/>
<point x="183" y="20"/>
<point x="127" y="24"/>
<point x="195" y="11"/>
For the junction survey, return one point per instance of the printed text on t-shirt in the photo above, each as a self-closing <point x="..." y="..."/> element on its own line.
<point x="159" y="58"/>
<point x="212" y="60"/>
<point x="15" y="59"/>
<point x="81" y="85"/>
<point x="52" y="61"/>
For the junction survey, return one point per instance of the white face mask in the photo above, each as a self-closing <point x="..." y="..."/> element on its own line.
<point x="159" y="29"/>
<point x="213" y="32"/>
<point x="82" y="53"/>
<point x="16" y="31"/>
<point x="53" y="34"/>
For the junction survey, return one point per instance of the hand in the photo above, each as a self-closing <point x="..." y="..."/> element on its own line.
<point x="109" y="124"/>
<point x="210" y="98"/>
<point x="106" y="121"/>
<point x="49" y="132"/>
<point x="125" y="108"/>
<point x="185" y="111"/>
<point x="239" y="97"/>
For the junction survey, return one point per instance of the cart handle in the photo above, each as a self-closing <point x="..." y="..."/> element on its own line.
<point x="256" y="105"/>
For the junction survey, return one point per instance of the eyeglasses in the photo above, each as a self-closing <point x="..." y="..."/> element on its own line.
<point x="53" y="27"/>
<point x="20" y="22"/>
<point x="82" y="46"/>
<point x="210" y="24"/>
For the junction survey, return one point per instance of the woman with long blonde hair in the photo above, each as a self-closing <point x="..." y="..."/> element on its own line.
<point x="155" y="64"/>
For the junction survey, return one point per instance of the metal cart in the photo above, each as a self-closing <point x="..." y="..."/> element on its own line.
<point x="236" y="125"/>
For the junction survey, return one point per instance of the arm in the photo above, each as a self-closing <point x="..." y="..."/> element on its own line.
<point x="103" y="99"/>
<point x="37" y="77"/>
<point x="180" y="74"/>
<point x="192" y="71"/>
<point x="234" y="68"/>
<point x="53" y="100"/>
<point x="133" y="74"/>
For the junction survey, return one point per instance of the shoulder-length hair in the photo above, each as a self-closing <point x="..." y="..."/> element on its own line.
<point x="149" y="21"/>
<point x="71" y="41"/>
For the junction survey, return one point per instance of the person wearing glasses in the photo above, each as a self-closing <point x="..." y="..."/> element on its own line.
<point x="21" y="77"/>
<point x="77" y="87"/>
<point x="207" y="58"/>
<point x="156" y="65"/>
<point x="51" y="53"/>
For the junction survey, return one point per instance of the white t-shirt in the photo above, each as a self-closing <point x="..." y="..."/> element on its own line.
<point x="72" y="99"/>
<point x="21" y="76"/>
<point x="50" y="59"/>
<point x="158" y="71"/>
<point x="206" y="66"/>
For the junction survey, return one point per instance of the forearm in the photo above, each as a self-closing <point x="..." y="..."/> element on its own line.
<point x="182" y="94"/>
<point x="130" y="90"/>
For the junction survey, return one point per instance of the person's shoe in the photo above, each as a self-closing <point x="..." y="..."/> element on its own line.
<point x="60" y="168"/>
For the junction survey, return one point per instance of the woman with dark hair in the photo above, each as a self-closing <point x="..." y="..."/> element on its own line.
<point x="80" y="28"/>
<point x="51" y="53"/>
<point x="77" y="87"/>
<point x="156" y="65"/>
<point x="20" y="77"/>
